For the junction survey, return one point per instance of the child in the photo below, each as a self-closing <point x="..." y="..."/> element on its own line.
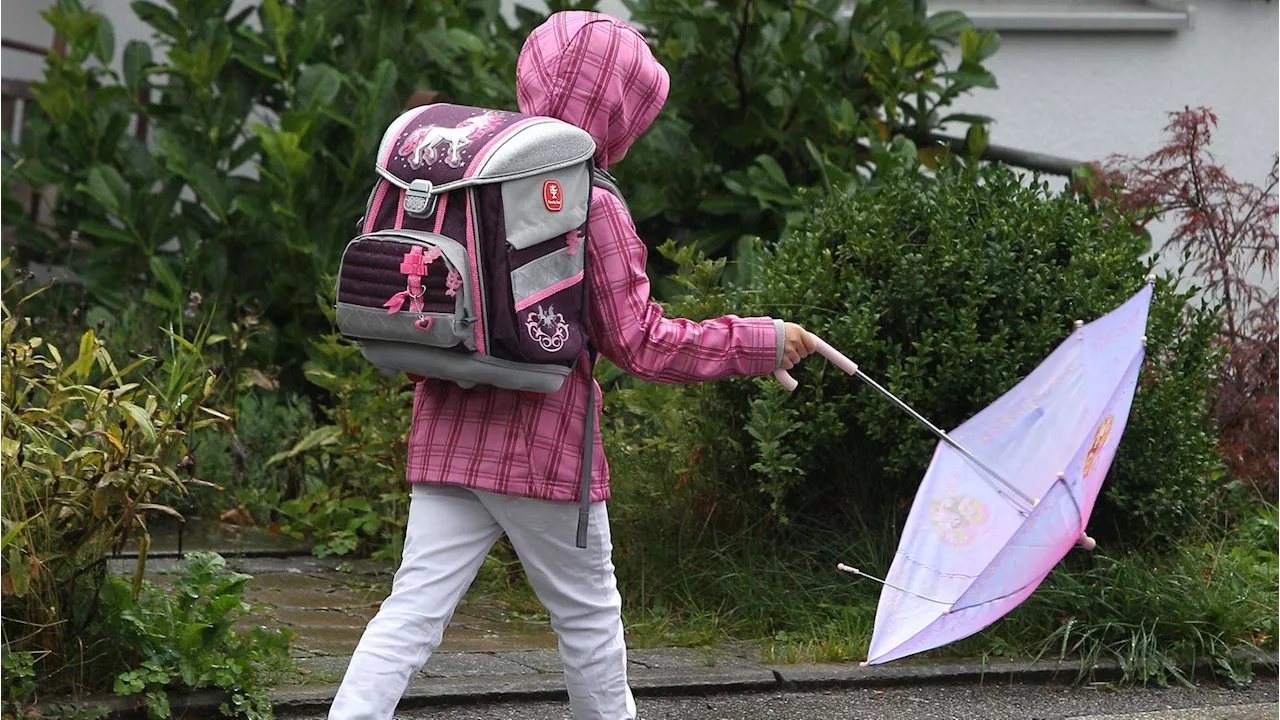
<point x="487" y="461"/>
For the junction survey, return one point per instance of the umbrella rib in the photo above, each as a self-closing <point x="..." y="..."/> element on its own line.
<point x="1024" y="509"/>
<point x="886" y="583"/>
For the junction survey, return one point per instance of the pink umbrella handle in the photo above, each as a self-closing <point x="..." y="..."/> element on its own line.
<point x="835" y="356"/>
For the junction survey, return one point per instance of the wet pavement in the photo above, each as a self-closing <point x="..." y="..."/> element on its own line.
<point x="327" y="602"/>
<point x="944" y="702"/>
<point x="491" y="654"/>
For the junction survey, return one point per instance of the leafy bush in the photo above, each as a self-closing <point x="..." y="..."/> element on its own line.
<point x="263" y="424"/>
<point x="949" y="292"/>
<point x="353" y="497"/>
<point x="771" y="96"/>
<point x="262" y="138"/>
<point x="89" y="450"/>
<point x="248" y="150"/>
<point x="182" y="637"/>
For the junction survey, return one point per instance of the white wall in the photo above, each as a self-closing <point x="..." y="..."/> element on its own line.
<point x="1088" y="96"/>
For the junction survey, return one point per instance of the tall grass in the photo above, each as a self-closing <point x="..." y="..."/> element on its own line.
<point x="1154" y="613"/>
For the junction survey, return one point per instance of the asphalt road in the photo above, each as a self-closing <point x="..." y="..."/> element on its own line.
<point x="965" y="702"/>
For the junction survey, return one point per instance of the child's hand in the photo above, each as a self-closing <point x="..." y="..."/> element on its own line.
<point x="798" y="344"/>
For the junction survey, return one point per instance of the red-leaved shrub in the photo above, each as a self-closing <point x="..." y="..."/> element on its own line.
<point x="1226" y="229"/>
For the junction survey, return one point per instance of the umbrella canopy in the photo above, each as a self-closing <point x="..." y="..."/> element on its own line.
<point x="1010" y="493"/>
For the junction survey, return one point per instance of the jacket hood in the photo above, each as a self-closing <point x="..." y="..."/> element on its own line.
<point x="596" y="72"/>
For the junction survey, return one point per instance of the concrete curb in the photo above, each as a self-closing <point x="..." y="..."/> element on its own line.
<point x="757" y="678"/>
<point x="682" y="681"/>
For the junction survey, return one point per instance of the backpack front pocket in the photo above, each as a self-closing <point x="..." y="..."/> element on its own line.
<point x="406" y="286"/>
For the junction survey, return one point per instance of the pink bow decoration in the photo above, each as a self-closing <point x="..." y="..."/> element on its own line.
<point x="396" y="302"/>
<point x="416" y="265"/>
<point x="572" y="240"/>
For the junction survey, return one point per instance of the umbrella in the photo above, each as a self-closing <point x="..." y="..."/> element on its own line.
<point x="1010" y="491"/>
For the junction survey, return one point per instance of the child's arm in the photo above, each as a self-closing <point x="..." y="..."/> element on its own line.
<point x="630" y="330"/>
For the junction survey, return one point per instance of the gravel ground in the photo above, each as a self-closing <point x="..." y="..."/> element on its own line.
<point x="1003" y="702"/>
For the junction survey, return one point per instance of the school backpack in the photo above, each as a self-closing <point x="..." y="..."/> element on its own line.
<point x="469" y="263"/>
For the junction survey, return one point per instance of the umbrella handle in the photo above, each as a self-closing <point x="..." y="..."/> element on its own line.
<point x="835" y="356"/>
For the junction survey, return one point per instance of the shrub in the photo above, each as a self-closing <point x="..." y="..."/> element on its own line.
<point x="262" y="134"/>
<point x="949" y="292"/>
<point x="353" y="498"/>
<point x="252" y="145"/>
<point x="182" y="637"/>
<point x="1226" y="229"/>
<point x="768" y="97"/>
<point x="89" y="450"/>
<point x="263" y="424"/>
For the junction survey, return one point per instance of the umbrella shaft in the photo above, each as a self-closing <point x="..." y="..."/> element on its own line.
<point x="947" y="439"/>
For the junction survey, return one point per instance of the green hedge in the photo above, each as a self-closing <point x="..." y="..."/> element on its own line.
<point x="948" y="292"/>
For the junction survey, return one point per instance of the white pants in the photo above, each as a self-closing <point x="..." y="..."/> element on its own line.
<point x="449" y="533"/>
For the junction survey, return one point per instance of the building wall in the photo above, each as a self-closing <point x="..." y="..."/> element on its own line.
<point x="1088" y="96"/>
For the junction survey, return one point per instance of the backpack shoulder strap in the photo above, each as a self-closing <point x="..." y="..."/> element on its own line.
<point x="602" y="179"/>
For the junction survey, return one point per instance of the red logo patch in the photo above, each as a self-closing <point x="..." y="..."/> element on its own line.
<point x="552" y="195"/>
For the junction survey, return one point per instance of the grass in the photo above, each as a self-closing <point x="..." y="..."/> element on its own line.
<point x="1154" y="612"/>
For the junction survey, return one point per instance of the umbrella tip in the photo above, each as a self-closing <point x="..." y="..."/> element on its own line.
<point x="1087" y="542"/>
<point x="846" y="568"/>
<point x="1144" y="341"/>
<point x="1062" y="476"/>
<point x="1079" y="324"/>
<point x="862" y="664"/>
<point x="1151" y="279"/>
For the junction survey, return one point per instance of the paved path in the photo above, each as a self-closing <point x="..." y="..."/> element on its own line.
<point x="963" y="702"/>
<point x="494" y="663"/>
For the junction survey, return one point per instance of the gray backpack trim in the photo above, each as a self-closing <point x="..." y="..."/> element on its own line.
<point x="602" y="178"/>
<point x="599" y="178"/>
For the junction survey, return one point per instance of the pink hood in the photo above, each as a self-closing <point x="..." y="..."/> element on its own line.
<point x="593" y="71"/>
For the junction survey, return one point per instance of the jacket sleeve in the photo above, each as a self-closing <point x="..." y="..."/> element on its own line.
<point x="630" y="330"/>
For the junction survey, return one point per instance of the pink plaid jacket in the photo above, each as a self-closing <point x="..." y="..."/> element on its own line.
<point x="596" y="72"/>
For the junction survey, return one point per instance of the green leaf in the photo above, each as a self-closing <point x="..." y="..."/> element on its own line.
<point x="152" y="297"/>
<point x="159" y="18"/>
<point x="976" y="45"/>
<point x="104" y="45"/>
<point x="12" y="533"/>
<point x="969" y="118"/>
<point x="381" y="85"/>
<point x="820" y="162"/>
<point x="318" y="86"/>
<point x="84" y="361"/>
<point x="320" y="437"/>
<point x="259" y="67"/>
<point x="141" y="418"/>
<point x="947" y="23"/>
<point x="162" y="272"/>
<point x="977" y="140"/>
<point x="254" y="206"/>
<point x="466" y="41"/>
<point x="727" y="205"/>
<point x="919" y="55"/>
<point x="107" y="187"/>
<point x="106" y="231"/>
<point x="773" y="169"/>
<point x="137" y="57"/>
<point x="972" y="76"/>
